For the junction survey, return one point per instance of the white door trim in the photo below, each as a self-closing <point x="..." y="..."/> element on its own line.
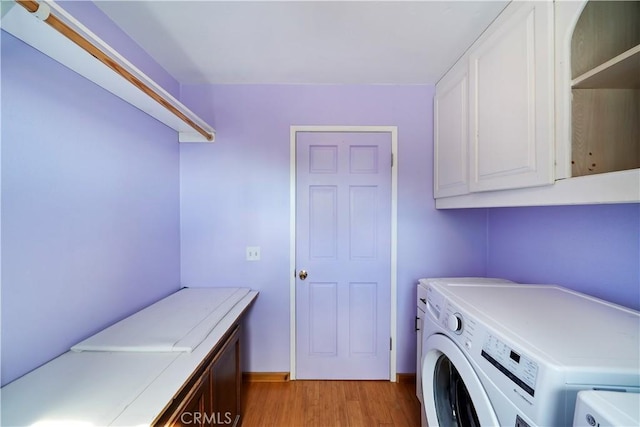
<point x="393" y="130"/>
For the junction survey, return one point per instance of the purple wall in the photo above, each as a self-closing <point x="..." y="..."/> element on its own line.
<point x="90" y="209"/>
<point x="102" y="26"/>
<point x="235" y="193"/>
<point x="592" y="249"/>
<point x="98" y="221"/>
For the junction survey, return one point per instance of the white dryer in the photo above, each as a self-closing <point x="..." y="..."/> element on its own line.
<point x="516" y="355"/>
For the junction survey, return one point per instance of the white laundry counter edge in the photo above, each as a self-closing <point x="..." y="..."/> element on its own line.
<point x="124" y="388"/>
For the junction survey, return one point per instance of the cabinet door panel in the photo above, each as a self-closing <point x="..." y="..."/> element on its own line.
<point x="511" y="100"/>
<point x="451" y="127"/>
<point x="226" y="383"/>
<point x="196" y="409"/>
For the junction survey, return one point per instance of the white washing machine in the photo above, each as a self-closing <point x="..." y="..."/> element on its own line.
<point x="516" y="355"/>
<point x="420" y="314"/>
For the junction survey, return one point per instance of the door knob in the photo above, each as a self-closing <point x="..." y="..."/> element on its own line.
<point x="302" y="274"/>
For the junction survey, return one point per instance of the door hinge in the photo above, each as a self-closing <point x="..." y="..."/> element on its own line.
<point x="390" y="343"/>
<point x="391" y="159"/>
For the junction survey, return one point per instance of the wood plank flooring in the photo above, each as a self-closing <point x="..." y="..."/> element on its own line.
<point x="330" y="404"/>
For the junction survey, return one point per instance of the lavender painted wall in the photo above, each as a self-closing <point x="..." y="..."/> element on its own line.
<point x="592" y="249"/>
<point x="102" y="26"/>
<point x="90" y="209"/>
<point x="91" y="230"/>
<point x="235" y="193"/>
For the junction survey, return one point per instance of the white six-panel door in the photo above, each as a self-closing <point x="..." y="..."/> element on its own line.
<point x="343" y="244"/>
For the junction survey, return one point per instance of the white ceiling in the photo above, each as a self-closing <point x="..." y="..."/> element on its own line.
<point x="304" y="42"/>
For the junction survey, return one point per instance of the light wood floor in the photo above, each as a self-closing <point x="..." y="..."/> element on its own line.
<point x="330" y="404"/>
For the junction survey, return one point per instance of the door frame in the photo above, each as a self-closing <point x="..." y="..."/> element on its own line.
<point x="393" y="131"/>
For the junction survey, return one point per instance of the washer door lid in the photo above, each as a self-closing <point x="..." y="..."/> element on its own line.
<point x="438" y="398"/>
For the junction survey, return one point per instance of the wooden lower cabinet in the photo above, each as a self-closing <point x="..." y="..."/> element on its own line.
<point x="213" y="397"/>
<point x="195" y="407"/>
<point x="226" y="383"/>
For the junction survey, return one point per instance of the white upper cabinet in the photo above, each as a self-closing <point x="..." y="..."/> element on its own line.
<point x="451" y="134"/>
<point x="511" y="100"/>
<point x="552" y="113"/>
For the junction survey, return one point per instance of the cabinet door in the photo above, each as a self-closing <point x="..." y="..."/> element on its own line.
<point x="226" y="382"/>
<point x="450" y="133"/>
<point x="195" y="410"/>
<point x="511" y="100"/>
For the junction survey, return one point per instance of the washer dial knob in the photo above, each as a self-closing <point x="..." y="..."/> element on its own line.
<point x="454" y="323"/>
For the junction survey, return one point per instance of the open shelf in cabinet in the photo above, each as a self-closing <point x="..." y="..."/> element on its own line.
<point x="605" y="90"/>
<point x="621" y="72"/>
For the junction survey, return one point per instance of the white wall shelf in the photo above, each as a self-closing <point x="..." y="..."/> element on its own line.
<point x="37" y="33"/>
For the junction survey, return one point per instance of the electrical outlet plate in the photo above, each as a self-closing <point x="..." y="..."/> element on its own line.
<point x="253" y="253"/>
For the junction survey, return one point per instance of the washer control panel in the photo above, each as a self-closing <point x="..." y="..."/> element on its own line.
<point x="454" y="323"/>
<point x="434" y="303"/>
<point x="462" y="326"/>
<point x="516" y="366"/>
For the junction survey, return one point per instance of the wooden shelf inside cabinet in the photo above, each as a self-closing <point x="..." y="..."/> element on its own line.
<point x="621" y="72"/>
<point x="605" y="91"/>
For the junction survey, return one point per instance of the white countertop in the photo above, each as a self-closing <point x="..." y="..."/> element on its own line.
<point x="123" y="388"/>
<point x="179" y="322"/>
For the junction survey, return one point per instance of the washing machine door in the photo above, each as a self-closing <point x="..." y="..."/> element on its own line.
<point x="453" y="394"/>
